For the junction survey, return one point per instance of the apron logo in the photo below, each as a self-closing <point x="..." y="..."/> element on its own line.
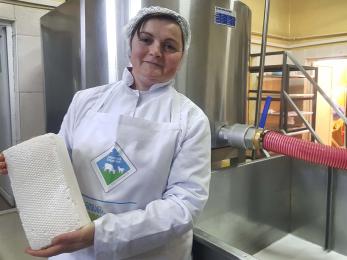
<point x="112" y="167"/>
<point x="94" y="211"/>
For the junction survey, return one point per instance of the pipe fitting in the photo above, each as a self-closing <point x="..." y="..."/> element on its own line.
<point x="241" y="136"/>
<point x="258" y="138"/>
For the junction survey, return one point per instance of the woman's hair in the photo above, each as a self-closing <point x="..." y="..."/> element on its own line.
<point x="156" y="12"/>
<point x="148" y="17"/>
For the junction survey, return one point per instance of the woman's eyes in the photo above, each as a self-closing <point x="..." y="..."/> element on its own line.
<point x="166" y="46"/>
<point x="170" y="47"/>
<point x="147" y="40"/>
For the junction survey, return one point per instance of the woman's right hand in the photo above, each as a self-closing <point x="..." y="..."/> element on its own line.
<point x="3" y="167"/>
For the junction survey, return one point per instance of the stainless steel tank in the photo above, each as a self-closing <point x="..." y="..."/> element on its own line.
<point x="94" y="52"/>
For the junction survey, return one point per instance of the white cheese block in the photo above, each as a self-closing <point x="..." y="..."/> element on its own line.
<point x="45" y="189"/>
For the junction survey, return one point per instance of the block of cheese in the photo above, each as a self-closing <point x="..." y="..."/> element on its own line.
<point x="45" y="188"/>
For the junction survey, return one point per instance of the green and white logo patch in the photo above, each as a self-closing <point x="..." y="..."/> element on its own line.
<point x="112" y="167"/>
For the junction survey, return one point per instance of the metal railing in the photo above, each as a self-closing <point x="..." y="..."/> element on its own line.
<point x="317" y="87"/>
<point x="297" y="110"/>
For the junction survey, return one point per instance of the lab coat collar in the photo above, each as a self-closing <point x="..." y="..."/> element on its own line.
<point x="128" y="78"/>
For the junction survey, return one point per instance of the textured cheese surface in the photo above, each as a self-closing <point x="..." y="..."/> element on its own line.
<point x="45" y="189"/>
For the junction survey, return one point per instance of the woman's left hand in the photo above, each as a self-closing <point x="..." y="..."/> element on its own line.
<point x="67" y="242"/>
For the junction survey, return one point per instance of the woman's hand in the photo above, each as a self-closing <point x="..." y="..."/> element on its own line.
<point x="3" y="167"/>
<point x="67" y="243"/>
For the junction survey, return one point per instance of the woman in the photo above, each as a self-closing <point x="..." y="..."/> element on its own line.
<point x="141" y="153"/>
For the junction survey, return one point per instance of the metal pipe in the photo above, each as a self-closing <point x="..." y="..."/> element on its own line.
<point x="330" y="210"/>
<point x="83" y="44"/>
<point x="262" y="62"/>
<point x="297" y="110"/>
<point x="321" y="91"/>
<point x="239" y="135"/>
<point x="294" y="133"/>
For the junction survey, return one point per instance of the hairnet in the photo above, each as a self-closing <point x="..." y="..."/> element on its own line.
<point x="157" y="10"/>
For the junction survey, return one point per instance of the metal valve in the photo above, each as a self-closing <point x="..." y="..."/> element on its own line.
<point x="241" y="136"/>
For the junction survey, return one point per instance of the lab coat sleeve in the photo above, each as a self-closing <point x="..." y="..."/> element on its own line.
<point x="138" y="231"/>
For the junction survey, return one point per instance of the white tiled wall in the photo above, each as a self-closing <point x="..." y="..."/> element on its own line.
<point x="27" y="62"/>
<point x="28" y="20"/>
<point x="6" y="11"/>
<point x="28" y="68"/>
<point x="31" y="114"/>
<point x="30" y="74"/>
<point x="45" y="2"/>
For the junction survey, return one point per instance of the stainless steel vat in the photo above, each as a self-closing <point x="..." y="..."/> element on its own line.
<point x="84" y="46"/>
<point x="214" y="75"/>
<point x="255" y="205"/>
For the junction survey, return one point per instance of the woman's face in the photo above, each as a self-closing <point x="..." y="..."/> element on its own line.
<point x="156" y="52"/>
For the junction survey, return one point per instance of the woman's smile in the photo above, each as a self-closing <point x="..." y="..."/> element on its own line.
<point x="156" y="64"/>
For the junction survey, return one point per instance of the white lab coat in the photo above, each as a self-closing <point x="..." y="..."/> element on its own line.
<point x="164" y="138"/>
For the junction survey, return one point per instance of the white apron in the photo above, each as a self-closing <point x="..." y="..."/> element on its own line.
<point x="122" y="163"/>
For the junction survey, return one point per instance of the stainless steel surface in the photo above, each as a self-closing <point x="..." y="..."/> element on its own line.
<point x="249" y="205"/>
<point x="298" y="112"/>
<point x="308" y="201"/>
<point x="321" y="91"/>
<point x="238" y="135"/>
<point x="295" y="133"/>
<point x="328" y="242"/>
<point x="82" y="48"/>
<point x="254" y="205"/>
<point x="339" y="234"/>
<point x="292" y="247"/>
<point x="217" y="64"/>
<point x="262" y="62"/>
<point x="60" y="31"/>
<point x="207" y="247"/>
<point x="84" y="39"/>
<point x="12" y="237"/>
<point x="105" y="47"/>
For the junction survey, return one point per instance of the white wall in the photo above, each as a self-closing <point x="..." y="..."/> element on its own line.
<point x="321" y="51"/>
<point x="28" y="68"/>
<point x="45" y="2"/>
